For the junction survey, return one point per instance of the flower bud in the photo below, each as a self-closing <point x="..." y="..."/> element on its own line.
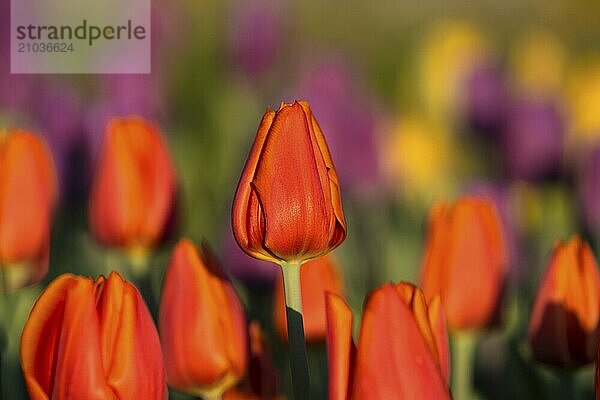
<point x="287" y="207"/>
<point x="202" y="325"/>
<point x="565" y="322"/>
<point x="133" y="191"/>
<point x="28" y="193"/>
<point x="92" y="340"/>
<point x="465" y="262"/>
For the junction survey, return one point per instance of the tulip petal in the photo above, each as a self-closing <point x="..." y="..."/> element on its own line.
<point x="340" y="347"/>
<point x="56" y="357"/>
<point x="28" y="191"/>
<point x="246" y="213"/>
<point x="202" y="324"/>
<point x="393" y="360"/>
<point x="133" y="191"/>
<point x="130" y="346"/>
<point x="565" y="323"/>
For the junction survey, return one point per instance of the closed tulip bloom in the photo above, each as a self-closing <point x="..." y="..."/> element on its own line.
<point x="92" y="340"/>
<point x="202" y="325"/>
<point x="132" y="196"/>
<point x="28" y="191"/>
<point x="402" y="348"/>
<point x="288" y="206"/>
<point x="316" y="277"/>
<point x="466" y="261"/>
<point x="565" y="323"/>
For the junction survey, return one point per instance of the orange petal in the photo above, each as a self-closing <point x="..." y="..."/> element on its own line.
<point x="465" y="261"/>
<point x="247" y="213"/>
<point x="393" y="360"/>
<point x="340" y="347"/>
<point x="58" y="360"/>
<point x="202" y="325"/>
<point x="133" y="191"/>
<point x="129" y="342"/>
<point x="27" y="196"/>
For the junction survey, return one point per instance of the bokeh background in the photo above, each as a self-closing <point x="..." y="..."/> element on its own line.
<point x="419" y="101"/>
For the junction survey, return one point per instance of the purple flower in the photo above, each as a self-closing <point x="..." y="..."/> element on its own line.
<point x="532" y="140"/>
<point x="487" y="99"/>
<point x="589" y="190"/>
<point x="59" y="112"/>
<point x="256" y="36"/>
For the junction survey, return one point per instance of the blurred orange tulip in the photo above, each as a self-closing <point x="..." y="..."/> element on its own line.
<point x="92" y="340"/>
<point x="316" y="277"/>
<point x="288" y="206"/>
<point x="202" y="325"/>
<point x="465" y="262"/>
<point x="402" y="349"/>
<point x="261" y="380"/>
<point x="28" y="193"/>
<point x="132" y="196"/>
<point x="565" y="322"/>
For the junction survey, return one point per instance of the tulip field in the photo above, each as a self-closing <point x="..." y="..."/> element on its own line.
<point x="309" y="200"/>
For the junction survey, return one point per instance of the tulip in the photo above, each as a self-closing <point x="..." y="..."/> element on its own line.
<point x="132" y="196"/>
<point x="202" y="325"/>
<point x="92" y="340"/>
<point x="316" y="277"/>
<point x="465" y="261"/>
<point x="28" y="193"/>
<point x="402" y="348"/>
<point x="288" y="207"/>
<point x="564" y="327"/>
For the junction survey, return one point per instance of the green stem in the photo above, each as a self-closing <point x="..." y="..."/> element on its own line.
<point x="296" y="341"/>
<point x="567" y="387"/>
<point x="463" y="360"/>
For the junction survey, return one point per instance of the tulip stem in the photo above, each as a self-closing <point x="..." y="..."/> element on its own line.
<point x="296" y="341"/>
<point x="464" y="345"/>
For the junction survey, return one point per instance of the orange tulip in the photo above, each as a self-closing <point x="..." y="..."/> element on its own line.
<point x="132" y="196"/>
<point x="28" y="193"/>
<point x="565" y="323"/>
<point x="288" y="206"/>
<point x="202" y="325"/>
<point x="402" y="349"/>
<point x="316" y="277"/>
<point x="92" y="340"/>
<point x="466" y="261"/>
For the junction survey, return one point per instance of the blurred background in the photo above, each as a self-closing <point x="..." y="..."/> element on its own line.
<point x="419" y="101"/>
